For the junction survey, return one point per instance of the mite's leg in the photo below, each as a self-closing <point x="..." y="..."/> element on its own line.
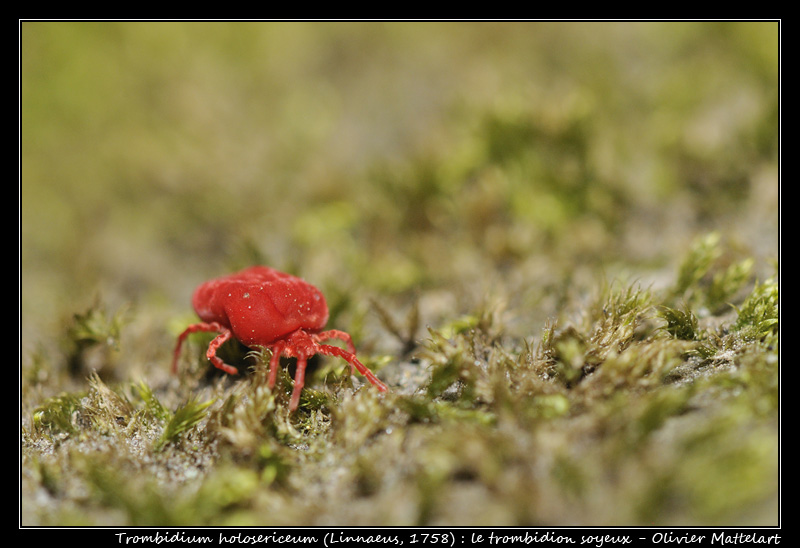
<point x="341" y="335"/>
<point x="211" y="327"/>
<point x="274" y="364"/>
<point x="331" y="350"/>
<point x="336" y="334"/>
<point x="211" y="354"/>
<point x="299" y="381"/>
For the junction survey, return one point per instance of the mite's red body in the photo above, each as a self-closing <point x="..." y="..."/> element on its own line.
<point x="262" y="307"/>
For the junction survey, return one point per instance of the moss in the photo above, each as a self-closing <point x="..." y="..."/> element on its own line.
<point x="94" y="330"/>
<point x="186" y="417"/>
<point x="485" y="406"/>
<point x="758" y="317"/>
<point x="681" y="324"/>
<point x="56" y="415"/>
<point x="153" y="406"/>
<point x="697" y="263"/>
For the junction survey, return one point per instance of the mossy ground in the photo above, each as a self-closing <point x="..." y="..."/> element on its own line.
<point x="556" y="242"/>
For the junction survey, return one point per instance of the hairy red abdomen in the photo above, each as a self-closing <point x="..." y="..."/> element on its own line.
<point x="261" y="305"/>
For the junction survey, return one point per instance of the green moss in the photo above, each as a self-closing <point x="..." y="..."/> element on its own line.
<point x="57" y="414"/>
<point x="727" y="283"/>
<point x="757" y="318"/>
<point x="186" y="417"/>
<point x="681" y="324"/>
<point x="697" y="263"/>
<point x="94" y="329"/>
<point x="152" y="404"/>
<point x="141" y="501"/>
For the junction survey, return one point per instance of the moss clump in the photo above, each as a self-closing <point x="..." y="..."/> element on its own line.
<point x="681" y="324"/>
<point x="757" y="318"/>
<point x="184" y="419"/>
<point x="91" y="338"/>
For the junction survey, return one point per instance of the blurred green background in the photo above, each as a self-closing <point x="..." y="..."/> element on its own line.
<point x="445" y="163"/>
<point x="382" y="155"/>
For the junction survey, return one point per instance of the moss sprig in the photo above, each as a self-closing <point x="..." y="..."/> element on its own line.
<point x="186" y="417"/>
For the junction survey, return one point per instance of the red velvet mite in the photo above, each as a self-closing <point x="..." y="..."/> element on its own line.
<point x="262" y="307"/>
